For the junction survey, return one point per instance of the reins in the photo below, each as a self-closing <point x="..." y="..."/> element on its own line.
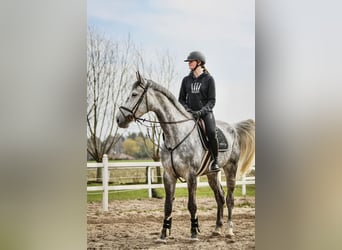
<point x="170" y="149"/>
<point x="142" y="120"/>
<point x="168" y="122"/>
<point x="136" y="106"/>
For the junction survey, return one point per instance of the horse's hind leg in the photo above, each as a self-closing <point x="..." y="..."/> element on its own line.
<point x="192" y="206"/>
<point x="215" y="185"/>
<point x="169" y="185"/>
<point x="230" y="174"/>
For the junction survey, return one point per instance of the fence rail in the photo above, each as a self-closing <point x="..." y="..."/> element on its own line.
<point x="149" y="186"/>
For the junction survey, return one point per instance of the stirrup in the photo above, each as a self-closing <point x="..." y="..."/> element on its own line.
<point x="216" y="167"/>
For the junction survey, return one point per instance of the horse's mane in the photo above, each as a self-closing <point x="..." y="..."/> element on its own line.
<point x="170" y="96"/>
<point x="157" y="87"/>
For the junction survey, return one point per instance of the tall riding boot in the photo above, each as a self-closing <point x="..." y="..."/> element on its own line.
<point x="214" y="151"/>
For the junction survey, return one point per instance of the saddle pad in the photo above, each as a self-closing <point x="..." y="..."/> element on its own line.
<point x="206" y="161"/>
<point x="222" y="140"/>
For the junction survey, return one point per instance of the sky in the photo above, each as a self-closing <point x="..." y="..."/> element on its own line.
<point x="224" y="30"/>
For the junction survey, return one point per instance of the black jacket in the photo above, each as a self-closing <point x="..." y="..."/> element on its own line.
<point x="198" y="93"/>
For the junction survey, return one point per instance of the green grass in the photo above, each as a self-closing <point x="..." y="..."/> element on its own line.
<point x="138" y="176"/>
<point x="96" y="196"/>
<point x="202" y="192"/>
<point x="130" y="175"/>
<point x="122" y="176"/>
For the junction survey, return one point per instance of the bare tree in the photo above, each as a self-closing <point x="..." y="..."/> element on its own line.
<point x="107" y="75"/>
<point x="111" y="66"/>
<point x="162" y="70"/>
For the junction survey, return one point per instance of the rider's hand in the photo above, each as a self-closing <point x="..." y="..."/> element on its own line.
<point x="196" y="114"/>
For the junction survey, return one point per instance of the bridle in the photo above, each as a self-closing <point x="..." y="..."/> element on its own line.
<point x="133" y="111"/>
<point x="132" y="116"/>
<point x="136" y="106"/>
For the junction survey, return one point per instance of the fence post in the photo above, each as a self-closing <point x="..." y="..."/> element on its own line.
<point x="244" y="185"/>
<point x="149" y="182"/>
<point x="105" y="183"/>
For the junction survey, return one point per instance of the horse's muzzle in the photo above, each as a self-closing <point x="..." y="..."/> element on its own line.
<point x="124" y="121"/>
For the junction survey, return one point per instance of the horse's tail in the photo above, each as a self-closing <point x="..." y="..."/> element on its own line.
<point x="246" y="136"/>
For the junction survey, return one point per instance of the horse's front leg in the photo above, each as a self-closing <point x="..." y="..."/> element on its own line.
<point x="169" y="185"/>
<point x="192" y="206"/>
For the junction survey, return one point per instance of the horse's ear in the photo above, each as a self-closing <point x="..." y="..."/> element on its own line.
<point x="140" y="78"/>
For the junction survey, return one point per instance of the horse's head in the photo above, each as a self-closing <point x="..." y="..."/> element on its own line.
<point x="136" y="103"/>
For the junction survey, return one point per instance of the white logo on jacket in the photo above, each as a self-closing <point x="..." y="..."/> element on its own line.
<point x="195" y="87"/>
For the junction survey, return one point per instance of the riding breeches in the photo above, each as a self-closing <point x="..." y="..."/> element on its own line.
<point x="210" y="126"/>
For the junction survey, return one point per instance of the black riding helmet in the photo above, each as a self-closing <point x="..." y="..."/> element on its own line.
<point x="196" y="55"/>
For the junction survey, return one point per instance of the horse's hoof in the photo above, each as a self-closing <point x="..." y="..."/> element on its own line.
<point x="161" y="241"/>
<point x="230" y="236"/>
<point x="217" y="232"/>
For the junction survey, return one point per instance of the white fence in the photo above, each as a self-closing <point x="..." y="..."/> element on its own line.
<point x="149" y="165"/>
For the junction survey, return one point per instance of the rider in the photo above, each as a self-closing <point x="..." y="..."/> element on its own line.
<point x="198" y="96"/>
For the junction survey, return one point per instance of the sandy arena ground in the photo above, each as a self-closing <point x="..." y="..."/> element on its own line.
<point x="136" y="224"/>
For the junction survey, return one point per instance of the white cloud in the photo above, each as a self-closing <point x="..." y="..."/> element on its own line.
<point x="183" y="20"/>
<point x="222" y="29"/>
<point x="234" y="103"/>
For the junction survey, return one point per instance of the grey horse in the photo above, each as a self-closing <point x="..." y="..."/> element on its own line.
<point x="182" y="153"/>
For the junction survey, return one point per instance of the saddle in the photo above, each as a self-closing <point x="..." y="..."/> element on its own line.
<point x="221" y="138"/>
<point x="206" y="158"/>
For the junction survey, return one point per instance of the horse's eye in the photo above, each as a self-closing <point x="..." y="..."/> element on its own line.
<point x="134" y="94"/>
